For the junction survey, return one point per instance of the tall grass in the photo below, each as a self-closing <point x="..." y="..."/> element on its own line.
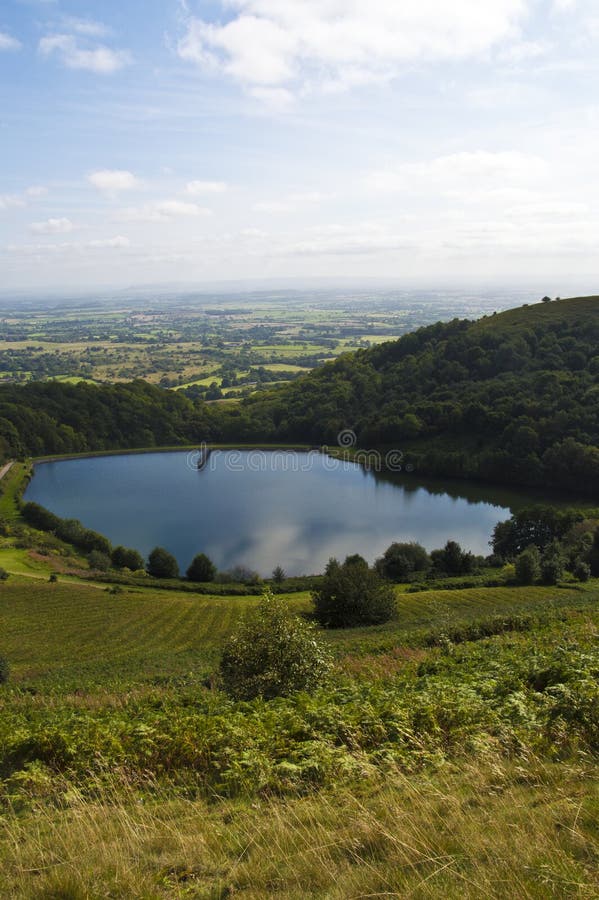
<point x="498" y="830"/>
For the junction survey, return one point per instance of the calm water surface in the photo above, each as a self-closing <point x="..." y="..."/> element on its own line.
<point x="262" y="509"/>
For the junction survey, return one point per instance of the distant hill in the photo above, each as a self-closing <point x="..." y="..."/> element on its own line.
<point x="511" y="398"/>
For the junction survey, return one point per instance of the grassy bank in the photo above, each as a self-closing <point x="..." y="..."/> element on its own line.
<point x="442" y="760"/>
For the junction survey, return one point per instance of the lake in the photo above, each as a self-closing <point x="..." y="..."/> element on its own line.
<point x="262" y="509"/>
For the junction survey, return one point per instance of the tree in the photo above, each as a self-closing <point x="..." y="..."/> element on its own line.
<point x="452" y="560"/>
<point x="162" y="564"/>
<point x="278" y="575"/>
<point x="582" y="571"/>
<point x="99" y="561"/>
<point x="400" y="561"/>
<point x="528" y="565"/>
<point x="351" y="594"/>
<point x="546" y="300"/>
<point x="124" y="558"/>
<point x="272" y="653"/>
<point x="552" y="563"/>
<point x="201" y="568"/>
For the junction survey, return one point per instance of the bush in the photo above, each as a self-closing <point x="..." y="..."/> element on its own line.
<point x="272" y="653"/>
<point x="4" y="670"/>
<point x="99" y="561"/>
<point x="352" y="594"/>
<point x="582" y="571"/>
<point x="124" y="558"/>
<point x="452" y="560"/>
<point x="201" y="569"/>
<point x="528" y="566"/>
<point x="400" y="561"/>
<point x="552" y="563"/>
<point x="3" y="574"/>
<point x="239" y="575"/>
<point x="162" y="564"/>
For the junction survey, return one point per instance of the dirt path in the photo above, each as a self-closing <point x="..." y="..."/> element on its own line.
<point x="6" y="468"/>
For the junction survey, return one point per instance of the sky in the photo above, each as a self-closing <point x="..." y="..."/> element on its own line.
<point x="195" y="141"/>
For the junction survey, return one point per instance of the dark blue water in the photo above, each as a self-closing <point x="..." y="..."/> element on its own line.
<point x="258" y="509"/>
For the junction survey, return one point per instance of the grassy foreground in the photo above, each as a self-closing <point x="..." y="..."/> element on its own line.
<point x="454" y="753"/>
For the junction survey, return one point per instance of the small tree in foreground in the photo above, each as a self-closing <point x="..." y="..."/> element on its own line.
<point x="272" y="653"/>
<point x="162" y="564"/>
<point x="201" y="569"/>
<point x="351" y="594"/>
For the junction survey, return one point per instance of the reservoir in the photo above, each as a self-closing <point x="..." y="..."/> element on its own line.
<point x="260" y="509"/>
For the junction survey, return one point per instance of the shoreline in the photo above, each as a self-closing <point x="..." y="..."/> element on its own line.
<point x="180" y="448"/>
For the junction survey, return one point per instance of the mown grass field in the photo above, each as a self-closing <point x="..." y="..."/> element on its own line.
<point x="466" y="769"/>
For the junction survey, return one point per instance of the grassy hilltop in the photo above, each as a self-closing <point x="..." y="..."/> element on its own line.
<point x="452" y="755"/>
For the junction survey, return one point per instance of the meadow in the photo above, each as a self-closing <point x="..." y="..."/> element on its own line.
<point x="452" y="753"/>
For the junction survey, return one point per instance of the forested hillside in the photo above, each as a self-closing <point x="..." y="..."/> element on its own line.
<point x="511" y="397"/>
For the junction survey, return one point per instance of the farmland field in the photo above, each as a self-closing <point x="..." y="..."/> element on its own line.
<point x="217" y="345"/>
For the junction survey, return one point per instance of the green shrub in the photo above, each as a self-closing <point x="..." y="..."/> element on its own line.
<point x="552" y="563"/>
<point x="162" y="564"/>
<point x="124" y="558"/>
<point x="4" y="670"/>
<point x="582" y="571"/>
<point x="201" y="569"/>
<point x="3" y="574"/>
<point x="98" y="561"/>
<point x="400" y="561"/>
<point x="351" y="594"/>
<point x="272" y="653"/>
<point x="528" y="566"/>
<point x="452" y="560"/>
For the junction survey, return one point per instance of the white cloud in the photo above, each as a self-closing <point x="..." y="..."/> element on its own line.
<point x="98" y="58"/>
<point x="456" y="171"/>
<point x="36" y="190"/>
<point x="205" y="187"/>
<point x="290" y="203"/>
<point x="14" y="201"/>
<point x="116" y="243"/>
<point x="274" y="43"/>
<point x="10" y="201"/>
<point x="164" y="211"/>
<point x="276" y="98"/>
<point x="87" y="27"/>
<point x="69" y="247"/>
<point x="525" y="50"/>
<point x="52" y="226"/>
<point x="112" y="181"/>
<point x="7" y="42"/>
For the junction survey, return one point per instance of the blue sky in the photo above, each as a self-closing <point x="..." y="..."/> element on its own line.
<point x="414" y="140"/>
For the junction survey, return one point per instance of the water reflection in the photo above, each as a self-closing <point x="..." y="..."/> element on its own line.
<point x="297" y="515"/>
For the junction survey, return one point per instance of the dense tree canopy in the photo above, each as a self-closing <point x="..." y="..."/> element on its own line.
<point x="510" y="398"/>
